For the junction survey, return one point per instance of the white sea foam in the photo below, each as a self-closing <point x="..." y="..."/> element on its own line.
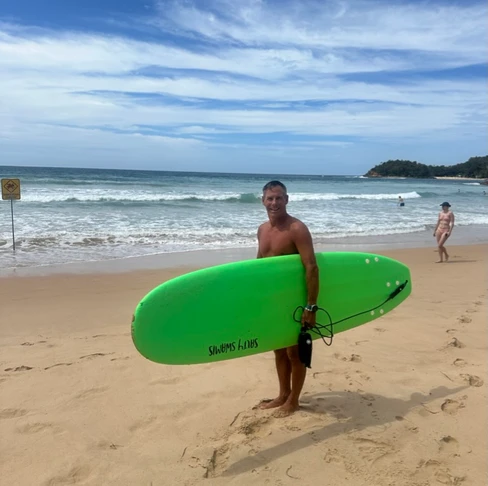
<point x="111" y="214"/>
<point x="103" y="196"/>
<point x="338" y="196"/>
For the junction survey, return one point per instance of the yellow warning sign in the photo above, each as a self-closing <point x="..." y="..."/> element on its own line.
<point x="10" y="189"/>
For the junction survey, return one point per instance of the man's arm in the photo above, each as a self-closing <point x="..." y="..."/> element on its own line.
<point x="259" y="255"/>
<point x="303" y="242"/>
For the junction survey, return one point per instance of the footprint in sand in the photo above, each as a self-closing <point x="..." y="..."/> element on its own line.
<point x="451" y="331"/>
<point x="12" y="413"/>
<point x="143" y="423"/>
<point x="455" y="343"/>
<point x="254" y="426"/>
<point x="464" y="319"/>
<point x="35" y="428"/>
<point x="75" y="475"/>
<point x="333" y="410"/>
<point x="214" y="465"/>
<point x="372" y="450"/>
<point x="451" y="407"/>
<point x="473" y="380"/>
<point x="459" y="362"/>
<point x="444" y="476"/>
<point x="448" y="444"/>
<point x="19" y="368"/>
<point x="441" y="475"/>
<point x="217" y="461"/>
<point x="332" y="455"/>
<point x="368" y="398"/>
<point x="429" y="464"/>
<point x="90" y="392"/>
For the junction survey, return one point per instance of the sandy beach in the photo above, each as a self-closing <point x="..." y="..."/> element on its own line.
<point x="400" y="401"/>
<point x="456" y="178"/>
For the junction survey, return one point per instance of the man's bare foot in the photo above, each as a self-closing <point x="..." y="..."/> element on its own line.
<point x="286" y="410"/>
<point x="440" y="261"/>
<point x="447" y="257"/>
<point x="267" y="403"/>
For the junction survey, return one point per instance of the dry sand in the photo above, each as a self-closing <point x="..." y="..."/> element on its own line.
<point x="400" y="401"/>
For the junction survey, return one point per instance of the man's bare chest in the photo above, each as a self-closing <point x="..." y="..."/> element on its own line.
<point x="276" y="243"/>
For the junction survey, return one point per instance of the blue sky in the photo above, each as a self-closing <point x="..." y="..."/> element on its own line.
<point x="292" y="86"/>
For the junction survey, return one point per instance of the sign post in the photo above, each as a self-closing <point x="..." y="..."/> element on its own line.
<point x="11" y="191"/>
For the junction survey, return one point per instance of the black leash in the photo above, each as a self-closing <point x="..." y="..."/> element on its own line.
<point x="305" y="340"/>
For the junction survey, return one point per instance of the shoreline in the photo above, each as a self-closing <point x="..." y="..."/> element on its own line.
<point x="440" y="178"/>
<point x="454" y="178"/>
<point x="463" y="235"/>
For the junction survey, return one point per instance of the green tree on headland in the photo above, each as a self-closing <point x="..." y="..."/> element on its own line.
<point x="475" y="167"/>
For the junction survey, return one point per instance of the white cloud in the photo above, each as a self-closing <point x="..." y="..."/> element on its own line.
<point x="64" y="88"/>
<point x="335" y="24"/>
<point x="81" y="53"/>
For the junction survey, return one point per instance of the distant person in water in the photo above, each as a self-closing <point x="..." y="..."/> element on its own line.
<point x="401" y="202"/>
<point x="443" y="229"/>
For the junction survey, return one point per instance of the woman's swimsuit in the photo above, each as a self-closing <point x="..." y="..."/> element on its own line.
<point x="444" y="221"/>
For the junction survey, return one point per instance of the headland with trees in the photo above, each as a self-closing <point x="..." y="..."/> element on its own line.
<point x="474" y="168"/>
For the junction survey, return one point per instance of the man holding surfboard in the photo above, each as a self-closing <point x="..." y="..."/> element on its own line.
<point x="283" y="234"/>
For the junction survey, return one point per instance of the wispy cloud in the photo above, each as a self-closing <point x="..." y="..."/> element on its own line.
<point x="423" y="26"/>
<point x="303" y="73"/>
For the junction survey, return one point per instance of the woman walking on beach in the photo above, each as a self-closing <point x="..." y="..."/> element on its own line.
<point x="443" y="229"/>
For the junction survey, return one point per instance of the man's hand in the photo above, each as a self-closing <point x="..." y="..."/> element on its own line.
<point x="308" y="319"/>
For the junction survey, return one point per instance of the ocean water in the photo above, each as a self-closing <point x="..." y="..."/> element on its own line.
<point x="73" y="215"/>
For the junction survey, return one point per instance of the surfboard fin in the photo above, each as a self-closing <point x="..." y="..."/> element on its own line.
<point x="398" y="290"/>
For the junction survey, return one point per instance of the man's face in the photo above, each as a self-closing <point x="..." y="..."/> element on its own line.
<point x="275" y="201"/>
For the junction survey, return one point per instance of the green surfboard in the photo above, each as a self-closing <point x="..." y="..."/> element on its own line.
<point x="238" y="309"/>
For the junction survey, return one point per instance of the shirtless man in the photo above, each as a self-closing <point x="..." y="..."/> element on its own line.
<point x="443" y="230"/>
<point x="285" y="235"/>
